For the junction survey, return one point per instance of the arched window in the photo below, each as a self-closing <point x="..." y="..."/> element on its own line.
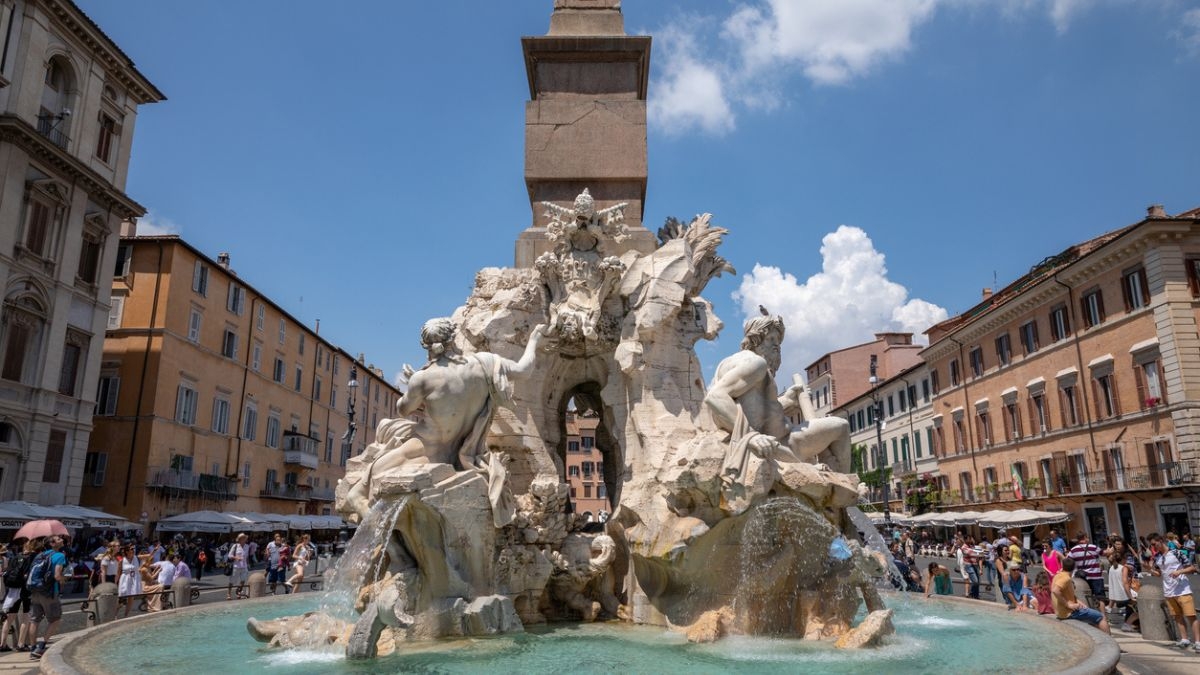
<point x="58" y="94"/>
<point x="23" y="324"/>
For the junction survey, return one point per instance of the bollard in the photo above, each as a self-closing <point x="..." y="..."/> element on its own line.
<point x="256" y="586"/>
<point x="103" y="602"/>
<point x="1152" y="613"/>
<point x="1083" y="592"/>
<point x="181" y="592"/>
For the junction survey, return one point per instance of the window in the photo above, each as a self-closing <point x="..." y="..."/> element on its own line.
<point x="1149" y="380"/>
<point x="260" y="317"/>
<point x="220" y="415"/>
<point x="573" y="471"/>
<point x="333" y="396"/>
<point x="1093" y="308"/>
<point x="89" y="258"/>
<point x="588" y="442"/>
<point x="229" y="344"/>
<point x="902" y="399"/>
<point x="965" y="484"/>
<point x="124" y="256"/>
<point x="1012" y="421"/>
<point x="1003" y="350"/>
<point x="1135" y="289"/>
<point x="277" y="374"/>
<point x="1029" y="337"/>
<point x="934" y="384"/>
<point x="316" y="389"/>
<point x="272" y="430"/>
<point x="1039" y="416"/>
<point x="105" y="136"/>
<point x="302" y="344"/>
<point x="1105" y="390"/>
<point x="925" y="390"/>
<point x="917" y="442"/>
<point x="953" y="372"/>
<point x="282" y="331"/>
<point x="937" y="442"/>
<point x="194" y="326"/>
<point x="983" y="428"/>
<point x="1060" y="323"/>
<point x="185" y="404"/>
<point x="39" y="235"/>
<point x="52" y="469"/>
<point x="891" y="405"/>
<point x="299" y="377"/>
<point x="246" y="475"/>
<point x="271" y="482"/>
<point x="70" y="371"/>
<point x="106" y="395"/>
<point x="587" y="490"/>
<point x="116" y="311"/>
<point x="329" y="448"/>
<point x="256" y="359"/>
<point x="200" y="278"/>
<point x="95" y="465"/>
<point x="1070" y="404"/>
<point x="236" y="300"/>
<point x="977" y="365"/>
<point x="22" y="328"/>
<point x="250" y="423"/>
<point x="960" y="437"/>
<point x="572" y="446"/>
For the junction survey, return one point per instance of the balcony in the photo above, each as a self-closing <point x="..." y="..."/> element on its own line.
<point x="299" y="450"/>
<point x="48" y="126"/>
<point x="322" y="494"/>
<point x="217" y="487"/>
<point x="1167" y="475"/>
<point x="286" y="491"/>
<point x="208" y="486"/>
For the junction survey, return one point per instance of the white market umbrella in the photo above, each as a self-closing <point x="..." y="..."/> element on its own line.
<point x="202" y="521"/>
<point x="1024" y="518"/>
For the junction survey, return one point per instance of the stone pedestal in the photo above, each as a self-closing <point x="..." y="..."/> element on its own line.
<point x="104" y="600"/>
<point x="256" y="585"/>
<point x="181" y="591"/>
<point x="1151" y="613"/>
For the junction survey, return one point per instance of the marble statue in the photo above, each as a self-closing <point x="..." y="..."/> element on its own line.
<point x="727" y="519"/>
<point x="743" y="402"/>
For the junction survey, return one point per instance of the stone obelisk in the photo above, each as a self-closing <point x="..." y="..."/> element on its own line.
<point x="585" y="122"/>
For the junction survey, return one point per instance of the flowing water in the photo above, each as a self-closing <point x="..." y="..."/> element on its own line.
<point x="877" y="543"/>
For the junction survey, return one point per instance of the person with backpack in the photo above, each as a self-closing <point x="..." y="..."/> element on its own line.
<point x="45" y="586"/>
<point x="17" y="561"/>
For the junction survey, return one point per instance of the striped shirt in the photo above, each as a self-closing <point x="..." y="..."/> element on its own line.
<point x="1087" y="560"/>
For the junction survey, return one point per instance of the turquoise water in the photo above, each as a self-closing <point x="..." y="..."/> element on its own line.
<point x="932" y="637"/>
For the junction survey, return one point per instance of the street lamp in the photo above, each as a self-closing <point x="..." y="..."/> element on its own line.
<point x="880" y="452"/>
<point x="352" y="385"/>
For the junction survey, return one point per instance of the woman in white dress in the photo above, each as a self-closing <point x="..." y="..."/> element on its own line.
<point x="129" y="577"/>
<point x="300" y="557"/>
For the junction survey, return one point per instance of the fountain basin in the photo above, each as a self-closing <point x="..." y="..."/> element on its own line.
<point x="938" y="635"/>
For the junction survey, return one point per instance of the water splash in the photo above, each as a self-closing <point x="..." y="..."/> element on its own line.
<point x="876" y="542"/>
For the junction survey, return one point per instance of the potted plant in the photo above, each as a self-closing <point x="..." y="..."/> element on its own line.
<point x="1064" y="481"/>
<point x="1033" y="486"/>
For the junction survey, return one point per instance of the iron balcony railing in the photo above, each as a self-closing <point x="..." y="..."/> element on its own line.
<point x="286" y="491"/>
<point x="48" y="126"/>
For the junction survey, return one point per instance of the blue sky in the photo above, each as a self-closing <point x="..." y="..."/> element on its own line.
<point x="877" y="162"/>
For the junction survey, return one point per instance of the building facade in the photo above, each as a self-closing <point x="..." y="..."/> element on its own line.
<point x="1077" y="387"/>
<point x="907" y="433"/>
<point x="845" y="374"/>
<point x="584" y="464"/>
<point x="68" y="100"/>
<point x="211" y="396"/>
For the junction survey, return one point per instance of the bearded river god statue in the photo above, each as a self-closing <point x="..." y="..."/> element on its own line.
<point x="727" y="519"/>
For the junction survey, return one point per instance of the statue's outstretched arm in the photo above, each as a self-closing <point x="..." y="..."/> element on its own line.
<point x="524" y="367"/>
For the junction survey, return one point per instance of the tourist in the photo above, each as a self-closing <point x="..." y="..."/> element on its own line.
<point x="1041" y="594"/>
<point x="275" y="571"/>
<point x="1057" y="542"/>
<point x="1051" y="558"/>
<point x="129" y="578"/>
<point x="106" y="562"/>
<point x="239" y="573"/>
<point x="157" y="552"/>
<point x="300" y="557"/>
<point x="252" y="553"/>
<point x="989" y="564"/>
<point x="910" y="548"/>
<point x="164" y="571"/>
<point x="1087" y="560"/>
<point x="182" y="569"/>
<point x="1120" y="591"/>
<point x="45" y="599"/>
<point x="1017" y="594"/>
<point x="939" y="580"/>
<point x="1177" y="590"/>
<point x="1066" y="606"/>
<point x="970" y="566"/>
<point x="18" y="559"/>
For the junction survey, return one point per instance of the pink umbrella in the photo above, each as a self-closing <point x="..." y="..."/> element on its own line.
<point x="41" y="528"/>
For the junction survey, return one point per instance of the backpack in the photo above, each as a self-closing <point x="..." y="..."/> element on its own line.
<point x="41" y="574"/>
<point x="18" y="570"/>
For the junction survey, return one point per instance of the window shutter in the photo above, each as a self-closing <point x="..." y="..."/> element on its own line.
<point x="1083" y="308"/>
<point x="1033" y="418"/>
<point x="1063" y="404"/>
<point x="1162" y="381"/>
<point x="1145" y="286"/>
<point x="1116" y="395"/>
<point x="1139" y="378"/>
<point x="1096" y="399"/>
<point x="1100" y="304"/>
<point x="199" y="268"/>
<point x="1125" y="294"/>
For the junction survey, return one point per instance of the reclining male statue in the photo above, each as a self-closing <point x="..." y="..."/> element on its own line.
<point x="743" y="402"/>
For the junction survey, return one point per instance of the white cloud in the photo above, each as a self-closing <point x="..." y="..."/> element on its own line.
<point x="711" y="66"/>
<point x="689" y="93"/>
<point x="844" y="304"/>
<point x="1189" y="31"/>
<point x="153" y="224"/>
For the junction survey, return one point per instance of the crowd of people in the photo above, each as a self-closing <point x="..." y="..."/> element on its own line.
<point x="36" y="573"/>
<point x="1111" y="571"/>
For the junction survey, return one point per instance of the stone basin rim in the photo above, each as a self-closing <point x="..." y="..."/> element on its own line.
<point x="1100" y="652"/>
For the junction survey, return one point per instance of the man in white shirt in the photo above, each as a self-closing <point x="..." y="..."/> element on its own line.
<point x="1177" y="590"/>
<point x="275" y="573"/>
<point x="166" y="574"/>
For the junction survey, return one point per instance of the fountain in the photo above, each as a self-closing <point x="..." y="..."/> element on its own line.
<point x="733" y="532"/>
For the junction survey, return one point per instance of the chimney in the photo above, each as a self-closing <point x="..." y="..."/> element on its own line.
<point x="223" y="260"/>
<point x="987" y="293"/>
<point x="1156" y="211"/>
